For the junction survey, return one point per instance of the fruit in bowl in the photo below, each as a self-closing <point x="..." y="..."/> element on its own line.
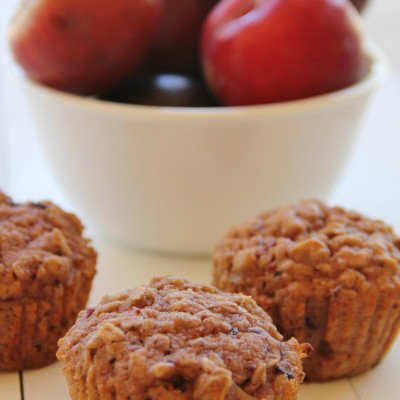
<point x="252" y="52"/>
<point x="169" y="90"/>
<point x="85" y="46"/>
<point x="257" y="52"/>
<point x="176" y="46"/>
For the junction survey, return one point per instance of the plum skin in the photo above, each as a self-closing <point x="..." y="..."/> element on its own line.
<point x="259" y="52"/>
<point x="83" y="47"/>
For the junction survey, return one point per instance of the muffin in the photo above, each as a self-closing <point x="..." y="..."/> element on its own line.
<point x="174" y="340"/>
<point x="326" y="276"/>
<point x="46" y="270"/>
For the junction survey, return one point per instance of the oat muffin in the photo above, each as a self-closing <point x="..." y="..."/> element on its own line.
<point x="46" y="270"/>
<point x="174" y="340"/>
<point x="326" y="276"/>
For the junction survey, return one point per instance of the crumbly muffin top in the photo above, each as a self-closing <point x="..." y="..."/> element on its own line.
<point x="40" y="246"/>
<point x="178" y="340"/>
<point x="307" y="246"/>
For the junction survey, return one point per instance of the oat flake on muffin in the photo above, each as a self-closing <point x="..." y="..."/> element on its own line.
<point x="46" y="270"/>
<point x="182" y="341"/>
<point x="327" y="276"/>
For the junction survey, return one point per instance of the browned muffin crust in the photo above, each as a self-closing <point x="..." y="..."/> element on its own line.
<point x="46" y="269"/>
<point x="326" y="276"/>
<point x="182" y="341"/>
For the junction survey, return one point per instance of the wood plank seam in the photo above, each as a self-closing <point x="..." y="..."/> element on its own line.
<point x="354" y="389"/>
<point x="21" y="384"/>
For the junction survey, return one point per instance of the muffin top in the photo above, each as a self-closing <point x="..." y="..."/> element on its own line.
<point x="178" y="340"/>
<point x="40" y="246"/>
<point x="307" y="247"/>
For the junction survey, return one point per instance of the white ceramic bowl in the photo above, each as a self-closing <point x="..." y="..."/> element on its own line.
<point x="175" y="179"/>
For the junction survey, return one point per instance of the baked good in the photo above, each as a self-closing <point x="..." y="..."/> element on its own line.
<point x="46" y="270"/>
<point x="327" y="276"/>
<point x="177" y="340"/>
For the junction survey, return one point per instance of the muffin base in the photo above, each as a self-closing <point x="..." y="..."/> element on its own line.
<point x="30" y="328"/>
<point x="350" y="331"/>
<point x="358" y="330"/>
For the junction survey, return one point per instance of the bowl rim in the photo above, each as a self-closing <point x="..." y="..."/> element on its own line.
<point x="378" y="73"/>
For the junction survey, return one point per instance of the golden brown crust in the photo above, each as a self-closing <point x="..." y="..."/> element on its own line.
<point x="326" y="276"/>
<point x="46" y="270"/>
<point x="178" y="340"/>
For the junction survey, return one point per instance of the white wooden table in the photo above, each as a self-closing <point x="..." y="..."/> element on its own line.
<point x="370" y="184"/>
